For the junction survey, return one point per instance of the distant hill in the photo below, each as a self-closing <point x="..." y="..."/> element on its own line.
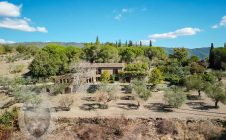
<point x="200" y="52"/>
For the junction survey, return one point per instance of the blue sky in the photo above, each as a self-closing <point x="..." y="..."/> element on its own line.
<point x="169" y="23"/>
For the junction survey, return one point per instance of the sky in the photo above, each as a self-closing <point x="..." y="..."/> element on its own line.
<point x="168" y="23"/>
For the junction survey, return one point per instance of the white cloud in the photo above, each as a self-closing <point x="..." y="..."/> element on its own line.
<point x="20" y="24"/>
<point x="13" y="21"/>
<point x="118" y="17"/>
<point x="172" y="35"/>
<point x="223" y="21"/>
<point x="27" y="19"/>
<point x="9" y="10"/>
<point x="122" y="12"/>
<point x="221" y="24"/>
<point x="42" y="29"/>
<point x="215" y="27"/>
<point x="3" y="41"/>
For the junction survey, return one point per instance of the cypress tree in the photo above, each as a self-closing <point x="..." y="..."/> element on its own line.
<point x="130" y="43"/>
<point x="150" y="44"/>
<point x="211" y="56"/>
<point x="97" y="41"/>
<point x="225" y="45"/>
<point x="140" y="43"/>
<point x="119" y="43"/>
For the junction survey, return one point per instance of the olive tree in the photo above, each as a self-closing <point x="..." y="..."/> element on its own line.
<point x="216" y="91"/>
<point x="175" y="97"/>
<point x="106" y="93"/>
<point x="141" y="90"/>
<point x="218" y="74"/>
<point x="195" y="82"/>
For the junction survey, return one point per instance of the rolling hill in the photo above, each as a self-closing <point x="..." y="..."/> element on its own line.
<point x="200" y="52"/>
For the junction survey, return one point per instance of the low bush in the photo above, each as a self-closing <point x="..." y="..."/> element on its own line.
<point x="66" y="102"/>
<point x="166" y="127"/>
<point x="7" y="119"/>
<point x="16" y="69"/>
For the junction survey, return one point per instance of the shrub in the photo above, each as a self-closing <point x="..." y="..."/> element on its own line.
<point x="210" y="131"/>
<point x="156" y="76"/>
<point x="2" y="50"/>
<point x="112" y="78"/>
<point x="16" y="69"/>
<point x="10" y="59"/>
<point x="7" y="118"/>
<point x="128" y="88"/>
<point x="58" y="89"/>
<point x="173" y="79"/>
<point x="105" y="76"/>
<point x="166" y="127"/>
<point x="66" y="102"/>
<point x="196" y="68"/>
<point x="175" y="98"/>
<point x="218" y="74"/>
<point x="209" y="77"/>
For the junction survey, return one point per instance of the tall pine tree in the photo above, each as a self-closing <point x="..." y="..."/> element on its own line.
<point x="119" y="43"/>
<point x="150" y="43"/>
<point x="97" y="41"/>
<point x="130" y="43"/>
<point x="140" y="43"/>
<point x="211" y="56"/>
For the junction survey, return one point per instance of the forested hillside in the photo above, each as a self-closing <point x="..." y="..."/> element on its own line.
<point x="200" y="52"/>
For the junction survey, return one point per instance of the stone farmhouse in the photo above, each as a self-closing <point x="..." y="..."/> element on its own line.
<point x="87" y="73"/>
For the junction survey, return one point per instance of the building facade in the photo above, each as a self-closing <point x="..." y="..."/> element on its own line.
<point x="87" y="73"/>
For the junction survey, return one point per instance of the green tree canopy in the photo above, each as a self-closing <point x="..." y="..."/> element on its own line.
<point x="51" y="60"/>
<point x="195" y="82"/>
<point x="218" y="58"/>
<point x="181" y="54"/>
<point x="175" y="97"/>
<point x="141" y="90"/>
<point x="73" y="53"/>
<point x="155" y="76"/>
<point x="108" y="54"/>
<point x="129" y="54"/>
<point x="157" y="52"/>
<point x="216" y="91"/>
<point x="91" y="53"/>
<point x="136" y="70"/>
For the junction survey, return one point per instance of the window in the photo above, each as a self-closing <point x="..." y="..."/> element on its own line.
<point x="99" y="71"/>
<point x="115" y="71"/>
